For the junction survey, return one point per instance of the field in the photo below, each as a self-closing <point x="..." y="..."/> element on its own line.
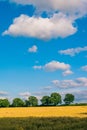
<point x="65" y="111"/>
<point x="44" y="118"/>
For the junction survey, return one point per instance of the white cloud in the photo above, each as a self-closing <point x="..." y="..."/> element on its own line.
<point x="3" y="93"/>
<point x="33" y="49"/>
<point x="84" y="68"/>
<point x="25" y="95"/>
<point x="73" y="51"/>
<point x="72" y="7"/>
<point x="37" y="67"/>
<point x="40" y="93"/>
<point x="81" y="96"/>
<point x="67" y="72"/>
<point x="59" y="25"/>
<point x="2" y="97"/>
<point x="47" y="88"/>
<point x="56" y="65"/>
<point x="78" y="82"/>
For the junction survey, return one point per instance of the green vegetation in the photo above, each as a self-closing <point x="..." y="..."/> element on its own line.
<point x="61" y="123"/>
<point x="45" y="100"/>
<point x="69" y="98"/>
<point x="32" y="101"/>
<point x="4" y="103"/>
<point x="53" y="100"/>
<point x="17" y="102"/>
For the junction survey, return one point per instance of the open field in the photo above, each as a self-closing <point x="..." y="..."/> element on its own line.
<point x="44" y="118"/>
<point x="64" y="111"/>
<point x="52" y="123"/>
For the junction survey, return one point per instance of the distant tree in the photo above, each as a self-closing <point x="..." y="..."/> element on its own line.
<point x="55" y="99"/>
<point x="17" y="102"/>
<point x="45" y="100"/>
<point x="32" y="101"/>
<point x="4" y="103"/>
<point x="69" y="98"/>
<point x="27" y="103"/>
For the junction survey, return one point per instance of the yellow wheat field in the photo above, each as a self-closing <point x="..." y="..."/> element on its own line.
<point x="69" y="111"/>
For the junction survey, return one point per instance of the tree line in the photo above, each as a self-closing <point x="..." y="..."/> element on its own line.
<point x="53" y="100"/>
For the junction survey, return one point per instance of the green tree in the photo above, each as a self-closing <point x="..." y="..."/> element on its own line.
<point x="27" y="103"/>
<point x="69" y="98"/>
<point x="45" y="100"/>
<point x="4" y="103"/>
<point x="55" y="99"/>
<point x="32" y="101"/>
<point x="17" y="102"/>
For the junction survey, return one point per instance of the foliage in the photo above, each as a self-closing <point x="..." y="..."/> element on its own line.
<point x="45" y="100"/>
<point x="17" y="102"/>
<point x="55" y="99"/>
<point x="32" y="101"/>
<point x="4" y="103"/>
<point x="62" y="123"/>
<point x="69" y="98"/>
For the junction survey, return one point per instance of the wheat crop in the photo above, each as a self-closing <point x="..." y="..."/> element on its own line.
<point x="68" y="111"/>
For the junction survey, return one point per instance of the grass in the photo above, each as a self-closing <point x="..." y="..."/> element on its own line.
<point x="52" y="123"/>
<point x="44" y="118"/>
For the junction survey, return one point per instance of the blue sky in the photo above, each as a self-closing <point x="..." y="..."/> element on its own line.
<point x="43" y="48"/>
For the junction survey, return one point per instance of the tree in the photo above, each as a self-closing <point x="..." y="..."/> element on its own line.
<point x="69" y="98"/>
<point x="32" y="101"/>
<point x="4" y="103"/>
<point x="27" y="103"/>
<point x="55" y="99"/>
<point x="45" y="100"/>
<point x="17" y="102"/>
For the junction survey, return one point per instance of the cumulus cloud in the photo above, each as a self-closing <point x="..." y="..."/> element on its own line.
<point x="25" y="95"/>
<point x="74" y="7"/>
<point x="67" y="72"/>
<point x="81" y="96"/>
<point x="3" y="93"/>
<point x="40" y="94"/>
<point x="73" y="51"/>
<point x="59" y="25"/>
<point x="84" y="68"/>
<point x="33" y="49"/>
<point x="54" y="66"/>
<point x="78" y="82"/>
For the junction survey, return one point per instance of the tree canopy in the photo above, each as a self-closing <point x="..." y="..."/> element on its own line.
<point x="55" y="99"/>
<point x="45" y="100"/>
<point x="32" y="101"/>
<point x="17" y="102"/>
<point x="69" y="98"/>
<point x="4" y="103"/>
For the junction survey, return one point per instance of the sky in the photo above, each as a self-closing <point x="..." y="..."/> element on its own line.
<point x="43" y="48"/>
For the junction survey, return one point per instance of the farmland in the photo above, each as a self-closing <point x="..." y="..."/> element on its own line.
<point x="44" y="118"/>
<point x="63" y="111"/>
